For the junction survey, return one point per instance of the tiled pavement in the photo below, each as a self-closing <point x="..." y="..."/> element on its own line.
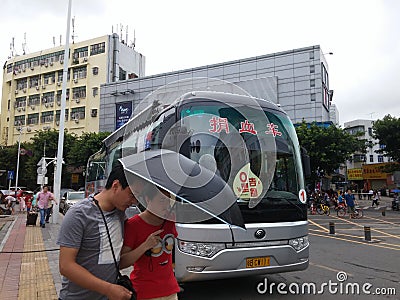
<point x="27" y="271"/>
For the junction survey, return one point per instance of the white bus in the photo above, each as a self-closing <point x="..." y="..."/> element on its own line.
<point x="254" y="148"/>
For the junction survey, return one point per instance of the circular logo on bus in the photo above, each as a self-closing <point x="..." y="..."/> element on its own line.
<point x="259" y="234"/>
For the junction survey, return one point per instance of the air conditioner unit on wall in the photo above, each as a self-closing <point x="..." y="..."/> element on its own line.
<point x="23" y="108"/>
<point x="33" y="107"/>
<point x="75" y="80"/>
<point x="57" y="123"/>
<point x="59" y="83"/>
<point x="37" y="87"/>
<point x="51" y="63"/>
<point x="16" y="91"/>
<point x="51" y="104"/>
<point x="76" y="120"/>
<point x="28" y="129"/>
<point x="77" y="101"/>
<point x="24" y="90"/>
<point x="43" y="87"/>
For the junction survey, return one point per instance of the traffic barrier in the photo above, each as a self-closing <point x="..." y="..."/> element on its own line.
<point x="367" y="233"/>
<point x="331" y="228"/>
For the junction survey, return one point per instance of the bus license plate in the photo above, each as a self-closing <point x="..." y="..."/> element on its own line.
<point x="256" y="262"/>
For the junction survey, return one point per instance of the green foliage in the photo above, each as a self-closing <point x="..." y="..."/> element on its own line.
<point x="387" y="131"/>
<point x="328" y="147"/>
<point x="76" y="151"/>
<point x="84" y="146"/>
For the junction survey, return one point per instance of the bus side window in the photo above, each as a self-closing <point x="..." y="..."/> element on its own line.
<point x="159" y="132"/>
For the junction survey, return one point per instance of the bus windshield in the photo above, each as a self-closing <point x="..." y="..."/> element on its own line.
<point x="268" y="154"/>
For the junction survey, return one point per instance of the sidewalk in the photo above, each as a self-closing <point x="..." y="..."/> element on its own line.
<point x="27" y="271"/>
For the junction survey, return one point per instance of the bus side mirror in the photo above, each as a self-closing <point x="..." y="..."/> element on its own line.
<point x="305" y="159"/>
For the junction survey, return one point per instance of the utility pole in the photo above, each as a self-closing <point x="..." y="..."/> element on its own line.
<point x="58" y="166"/>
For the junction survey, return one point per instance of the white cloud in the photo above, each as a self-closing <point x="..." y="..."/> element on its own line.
<point x="177" y="34"/>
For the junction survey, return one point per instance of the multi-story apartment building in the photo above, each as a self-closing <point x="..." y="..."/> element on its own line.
<point x="365" y="170"/>
<point x="371" y="157"/>
<point x="31" y="90"/>
<point x="297" y="80"/>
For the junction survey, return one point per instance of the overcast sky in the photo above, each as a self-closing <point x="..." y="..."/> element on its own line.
<point x="364" y="36"/>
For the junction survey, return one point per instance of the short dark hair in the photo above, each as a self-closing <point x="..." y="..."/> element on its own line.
<point x="117" y="173"/>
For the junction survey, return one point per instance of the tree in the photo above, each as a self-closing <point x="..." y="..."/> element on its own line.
<point x="387" y="131"/>
<point x="46" y="142"/>
<point x="85" y="145"/>
<point x="328" y="147"/>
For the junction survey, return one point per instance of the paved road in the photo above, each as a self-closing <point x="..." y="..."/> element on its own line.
<point x="376" y="263"/>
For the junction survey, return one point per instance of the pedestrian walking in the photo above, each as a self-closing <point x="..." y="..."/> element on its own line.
<point x="86" y="259"/>
<point x="43" y="199"/>
<point x="375" y="198"/>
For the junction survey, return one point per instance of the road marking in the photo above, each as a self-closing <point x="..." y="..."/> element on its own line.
<point x="375" y="230"/>
<point x="360" y="237"/>
<point x="356" y="242"/>
<point x="315" y="224"/>
<point x="384" y="221"/>
<point x="328" y="268"/>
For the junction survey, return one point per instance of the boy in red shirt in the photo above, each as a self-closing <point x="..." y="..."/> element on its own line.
<point x="148" y="244"/>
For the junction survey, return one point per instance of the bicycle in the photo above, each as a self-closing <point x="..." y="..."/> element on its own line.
<point x="357" y="214"/>
<point x="323" y="209"/>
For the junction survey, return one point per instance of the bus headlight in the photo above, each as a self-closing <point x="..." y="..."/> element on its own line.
<point x="200" y="249"/>
<point x="300" y="243"/>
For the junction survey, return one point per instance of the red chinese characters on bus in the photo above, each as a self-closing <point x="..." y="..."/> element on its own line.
<point x="248" y="127"/>
<point x="273" y="129"/>
<point x="219" y="124"/>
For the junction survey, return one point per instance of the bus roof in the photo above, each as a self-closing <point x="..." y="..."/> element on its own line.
<point x="145" y="117"/>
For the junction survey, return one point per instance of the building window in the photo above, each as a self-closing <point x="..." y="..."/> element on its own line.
<point x="380" y="158"/>
<point x="47" y="117"/>
<point x="371" y="158"/>
<point x="60" y="76"/>
<point x="19" y="120"/>
<point x="97" y="48"/>
<point x="48" y="98"/>
<point x="49" y="78"/>
<point x="79" y="73"/>
<point x="313" y="97"/>
<point x="34" y="100"/>
<point x="382" y="146"/>
<point x="95" y="91"/>
<point x="78" y="113"/>
<point x="58" y="115"/>
<point x="79" y="92"/>
<point x="22" y="83"/>
<point x="312" y="83"/>
<point x="312" y="69"/>
<point x="122" y="74"/>
<point x="59" y="95"/>
<point x="20" y="102"/>
<point x="33" y="119"/>
<point x="370" y="131"/>
<point x="311" y="54"/>
<point x="34" y="81"/>
<point x="95" y="70"/>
